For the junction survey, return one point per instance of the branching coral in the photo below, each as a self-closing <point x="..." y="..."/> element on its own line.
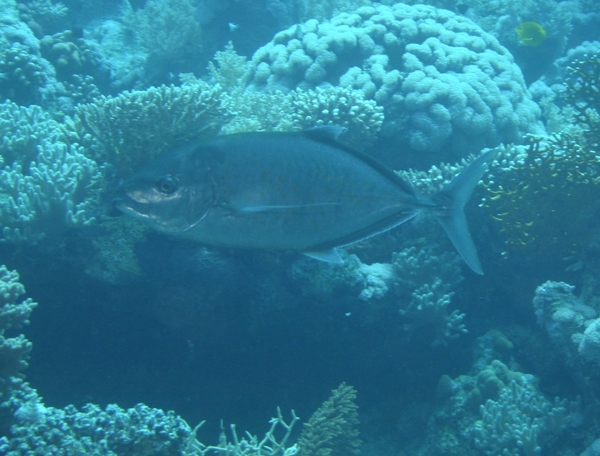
<point x="23" y="75"/>
<point x="140" y="430"/>
<point x="47" y="183"/>
<point x="331" y="430"/>
<point x="154" y="27"/>
<point x="338" y="106"/>
<point x="583" y="93"/>
<point x="496" y="410"/>
<point x="269" y="445"/>
<point x="14" y="351"/>
<point x="135" y="126"/>
<point x="542" y="196"/>
<point x="430" y="277"/>
<point x="519" y="420"/>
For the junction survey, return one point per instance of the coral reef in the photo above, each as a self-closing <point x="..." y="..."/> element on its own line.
<point x="331" y="430"/>
<point x="47" y="183"/>
<point x="519" y="421"/>
<point x="268" y="445"/>
<point x="496" y="410"/>
<point x="445" y="84"/>
<point x="583" y="83"/>
<point x="153" y="26"/>
<point x="43" y="16"/>
<point x="338" y="106"/>
<point x="124" y="61"/>
<point x="113" y="431"/>
<point x="541" y="175"/>
<point x="296" y="110"/>
<point x="419" y="282"/>
<point x="571" y="323"/>
<point x="135" y="126"/>
<point x="430" y="276"/>
<point x="14" y="351"/>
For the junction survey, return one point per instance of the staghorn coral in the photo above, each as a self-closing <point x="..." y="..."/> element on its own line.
<point x="331" y="430"/>
<point x="557" y="176"/>
<point x="269" y="445"/>
<point x="135" y="126"/>
<point x="444" y="83"/>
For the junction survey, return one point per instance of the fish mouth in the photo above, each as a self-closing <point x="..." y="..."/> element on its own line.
<point x="126" y="205"/>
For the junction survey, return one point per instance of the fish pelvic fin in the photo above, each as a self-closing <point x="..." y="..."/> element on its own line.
<point x="328" y="256"/>
<point x="452" y="200"/>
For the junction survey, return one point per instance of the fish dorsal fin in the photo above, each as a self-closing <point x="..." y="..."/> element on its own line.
<point x="329" y="134"/>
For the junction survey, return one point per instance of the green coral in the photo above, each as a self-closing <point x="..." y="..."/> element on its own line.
<point x="331" y="430"/>
<point x="543" y="196"/>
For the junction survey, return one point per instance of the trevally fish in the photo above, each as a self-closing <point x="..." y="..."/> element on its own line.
<point x="300" y="191"/>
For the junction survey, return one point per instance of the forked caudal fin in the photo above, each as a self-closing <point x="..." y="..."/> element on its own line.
<point x="452" y="199"/>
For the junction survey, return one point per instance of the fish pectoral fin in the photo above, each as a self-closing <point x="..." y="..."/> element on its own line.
<point x="329" y="256"/>
<point x="243" y="209"/>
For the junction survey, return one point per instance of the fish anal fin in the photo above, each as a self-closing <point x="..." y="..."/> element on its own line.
<point x="329" y="256"/>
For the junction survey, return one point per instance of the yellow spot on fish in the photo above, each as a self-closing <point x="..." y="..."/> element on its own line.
<point x="530" y="33"/>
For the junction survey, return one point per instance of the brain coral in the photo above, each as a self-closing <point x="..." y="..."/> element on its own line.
<point x="445" y="84"/>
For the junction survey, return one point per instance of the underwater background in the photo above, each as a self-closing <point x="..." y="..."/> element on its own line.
<point x="117" y="340"/>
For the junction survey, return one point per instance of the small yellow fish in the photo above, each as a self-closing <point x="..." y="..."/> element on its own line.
<point x="530" y="33"/>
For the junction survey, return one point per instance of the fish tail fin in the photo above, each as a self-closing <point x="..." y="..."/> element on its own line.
<point x="452" y="200"/>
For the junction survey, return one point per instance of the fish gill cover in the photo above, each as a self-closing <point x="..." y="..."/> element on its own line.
<point x="443" y="361"/>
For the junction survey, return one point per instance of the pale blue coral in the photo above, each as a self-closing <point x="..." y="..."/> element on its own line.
<point x="140" y="430"/>
<point x="521" y="419"/>
<point x="46" y="184"/>
<point x="14" y="312"/>
<point x="446" y="81"/>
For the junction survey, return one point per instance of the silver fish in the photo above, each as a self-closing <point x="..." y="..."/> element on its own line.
<point x="299" y="191"/>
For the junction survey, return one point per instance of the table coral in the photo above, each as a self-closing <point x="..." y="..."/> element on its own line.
<point x="445" y="84"/>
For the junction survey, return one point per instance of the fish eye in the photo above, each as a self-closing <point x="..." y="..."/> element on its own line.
<point x="166" y="185"/>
